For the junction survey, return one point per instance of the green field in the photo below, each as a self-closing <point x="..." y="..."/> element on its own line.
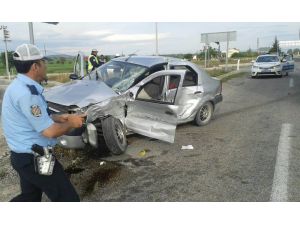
<point x="215" y="62"/>
<point x="67" y="67"/>
<point x="60" y="68"/>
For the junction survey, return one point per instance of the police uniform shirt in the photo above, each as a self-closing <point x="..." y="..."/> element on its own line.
<point x="25" y="116"/>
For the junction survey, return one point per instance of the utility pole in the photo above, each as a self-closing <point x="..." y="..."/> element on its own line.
<point x="156" y="35"/>
<point x="258" y="46"/>
<point x="206" y="46"/>
<point x="227" y="49"/>
<point x="45" y="49"/>
<point x="5" y="39"/>
<point x="30" y="25"/>
<point x="31" y="35"/>
<point x="208" y="58"/>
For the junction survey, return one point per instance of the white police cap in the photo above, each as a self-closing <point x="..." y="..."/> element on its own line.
<point x="27" y="52"/>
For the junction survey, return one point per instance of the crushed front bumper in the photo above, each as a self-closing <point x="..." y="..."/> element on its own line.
<point x="79" y="138"/>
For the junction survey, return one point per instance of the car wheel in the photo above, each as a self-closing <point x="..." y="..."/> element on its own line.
<point x="102" y="149"/>
<point x="204" y="114"/>
<point x="114" y="135"/>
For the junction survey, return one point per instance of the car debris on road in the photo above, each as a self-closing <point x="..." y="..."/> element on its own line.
<point x="187" y="147"/>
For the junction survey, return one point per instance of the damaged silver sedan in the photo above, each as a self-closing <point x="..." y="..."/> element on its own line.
<point x="148" y="95"/>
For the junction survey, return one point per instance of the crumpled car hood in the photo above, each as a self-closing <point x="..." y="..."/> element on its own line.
<point x="80" y="92"/>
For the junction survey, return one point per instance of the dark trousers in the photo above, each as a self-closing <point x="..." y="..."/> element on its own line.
<point x="57" y="186"/>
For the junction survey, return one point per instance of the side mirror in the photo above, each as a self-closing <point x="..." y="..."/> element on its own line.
<point x="73" y="76"/>
<point x="129" y="96"/>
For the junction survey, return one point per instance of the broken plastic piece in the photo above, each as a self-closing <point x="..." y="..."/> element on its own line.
<point x="143" y="152"/>
<point x="187" y="147"/>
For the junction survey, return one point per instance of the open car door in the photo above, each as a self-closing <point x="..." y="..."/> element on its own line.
<point x="152" y="109"/>
<point x="289" y="64"/>
<point x="79" y="65"/>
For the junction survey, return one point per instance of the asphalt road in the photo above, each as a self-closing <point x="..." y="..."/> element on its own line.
<point x="234" y="157"/>
<point x="249" y="152"/>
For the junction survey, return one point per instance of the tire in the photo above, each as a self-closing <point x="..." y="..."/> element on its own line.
<point x="102" y="149"/>
<point x="114" y="135"/>
<point x="204" y="114"/>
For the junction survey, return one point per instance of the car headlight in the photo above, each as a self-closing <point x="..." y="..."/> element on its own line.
<point x="77" y="110"/>
<point x="277" y="67"/>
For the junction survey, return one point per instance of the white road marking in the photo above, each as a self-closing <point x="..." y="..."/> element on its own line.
<point x="281" y="173"/>
<point x="291" y="82"/>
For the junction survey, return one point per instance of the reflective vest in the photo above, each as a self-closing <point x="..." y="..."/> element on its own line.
<point x="90" y="65"/>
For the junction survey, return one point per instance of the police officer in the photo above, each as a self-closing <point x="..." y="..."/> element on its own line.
<point x="93" y="61"/>
<point x="26" y="122"/>
<point x="102" y="60"/>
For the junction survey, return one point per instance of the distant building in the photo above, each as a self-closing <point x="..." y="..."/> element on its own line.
<point x="263" y="50"/>
<point x="231" y="52"/>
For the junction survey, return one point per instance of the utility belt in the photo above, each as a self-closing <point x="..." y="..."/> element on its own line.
<point x="44" y="159"/>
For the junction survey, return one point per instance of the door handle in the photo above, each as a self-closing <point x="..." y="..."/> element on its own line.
<point x="197" y="92"/>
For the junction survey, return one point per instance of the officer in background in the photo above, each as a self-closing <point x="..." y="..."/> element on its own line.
<point x="93" y="61"/>
<point x="102" y="60"/>
<point x="26" y="122"/>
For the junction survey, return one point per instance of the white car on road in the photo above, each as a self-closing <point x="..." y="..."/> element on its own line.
<point x="272" y="65"/>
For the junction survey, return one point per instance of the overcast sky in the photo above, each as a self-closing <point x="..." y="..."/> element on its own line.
<point x="112" y="38"/>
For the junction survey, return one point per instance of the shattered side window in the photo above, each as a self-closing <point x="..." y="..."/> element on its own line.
<point x="119" y="75"/>
<point x="130" y="74"/>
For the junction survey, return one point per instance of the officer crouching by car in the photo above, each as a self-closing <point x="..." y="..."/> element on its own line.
<point x="31" y="132"/>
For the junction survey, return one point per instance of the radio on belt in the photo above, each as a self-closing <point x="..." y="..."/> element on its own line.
<point x="44" y="160"/>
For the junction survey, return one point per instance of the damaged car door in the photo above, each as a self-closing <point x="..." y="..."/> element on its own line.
<point x="78" y="69"/>
<point x="152" y="109"/>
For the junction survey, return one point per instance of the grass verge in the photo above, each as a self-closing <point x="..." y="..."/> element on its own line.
<point x="62" y="78"/>
<point x="241" y="74"/>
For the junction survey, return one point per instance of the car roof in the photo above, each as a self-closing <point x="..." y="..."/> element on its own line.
<point x="147" y="61"/>
<point x="267" y="55"/>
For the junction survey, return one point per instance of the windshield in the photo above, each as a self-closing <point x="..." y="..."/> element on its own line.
<point x="267" y="59"/>
<point x="118" y="75"/>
